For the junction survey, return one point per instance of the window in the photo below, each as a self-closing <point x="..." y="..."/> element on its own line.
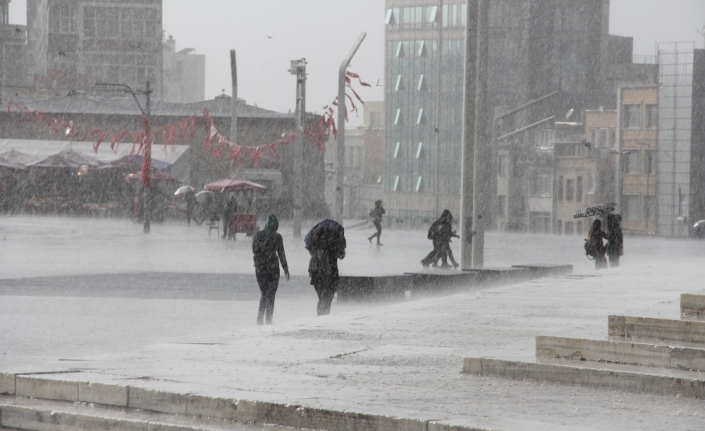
<point x="540" y="184"/>
<point x="420" y="119"/>
<point x="419" y="150"/>
<point x="559" y="227"/>
<point x="613" y="137"/>
<point x="396" y="150"/>
<point x="651" y="116"/>
<point x="502" y="166"/>
<point x="421" y="50"/>
<point x="392" y="18"/>
<point x="399" y="84"/>
<point x="590" y="185"/>
<point x="375" y="120"/>
<point x="569" y="190"/>
<point x="602" y="139"/>
<point x="62" y="19"/>
<point x="649" y="207"/>
<point x="396" y="183"/>
<point x="650" y="162"/>
<point x="397" y="118"/>
<point x="422" y="83"/>
<point x="560" y="189"/>
<point x="418" y="184"/>
<point x="578" y="227"/>
<point x="631" y="116"/>
<point x="501" y="206"/>
<point x="630" y="207"/>
<point x="579" y="189"/>
<point x="593" y="137"/>
<point x="400" y="50"/>
<point x="432" y="16"/>
<point x="631" y="162"/>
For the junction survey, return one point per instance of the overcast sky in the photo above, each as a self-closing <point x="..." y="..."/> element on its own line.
<point x="322" y="31"/>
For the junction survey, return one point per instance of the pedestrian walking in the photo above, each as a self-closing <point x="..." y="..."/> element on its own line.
<point x="191" y="202"/>
<point x="376" y="213"/>
<point x="445" y="235"/>
<point x="594" y="246"/>
<point x="441" y="232"/>
<point x="615" y="244"/>
<point x="228" y="213"/>
<point x="268" y="250"/>
<point x="326" y="244"/>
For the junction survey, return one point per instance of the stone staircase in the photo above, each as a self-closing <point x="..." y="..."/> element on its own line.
<point x="658" y="356"/>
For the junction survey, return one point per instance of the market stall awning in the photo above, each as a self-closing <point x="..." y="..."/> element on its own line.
<point x="18" y="157"/>
<point x="233" y="184"/>
<point x="11" y="165"/>
<point x="66" y="159"/>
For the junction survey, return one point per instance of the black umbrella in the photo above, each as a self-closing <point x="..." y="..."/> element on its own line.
<point x="595" y="210"/>
<point x="335" y="235"/>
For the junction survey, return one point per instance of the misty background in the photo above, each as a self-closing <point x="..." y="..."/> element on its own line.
<point x="269" y="33"/>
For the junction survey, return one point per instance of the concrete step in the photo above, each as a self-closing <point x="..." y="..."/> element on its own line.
<point x="37" y="407"/>
<point x="666" y="329"/>
<point x="692" y="304"/>
<point x="624" y="352"/>
<point x="43" y="415"/>
<point x="546" y="269"/>
<point x="632" y="378"/>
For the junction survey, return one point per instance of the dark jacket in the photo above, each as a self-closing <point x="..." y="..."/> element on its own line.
<point x="377" y="213"/>
<point x="615" y="246"/>
<point x="268" y="248"/>
<point x="326" y="244"/>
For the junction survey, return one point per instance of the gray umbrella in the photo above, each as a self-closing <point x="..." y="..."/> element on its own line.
<point x="595" y="210"/>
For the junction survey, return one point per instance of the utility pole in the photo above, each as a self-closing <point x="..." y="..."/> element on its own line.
<point x="481" y="172"/>
<point x="339" y="211"/>
<point x="147" y="163"/>
<point x="234" y="108"/>
<point x="468" y="153"/>
<point x="437" y="128"/>
<point x="298" y="68"/>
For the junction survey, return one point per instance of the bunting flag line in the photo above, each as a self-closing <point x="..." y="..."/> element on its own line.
<point x="170" y="134"/>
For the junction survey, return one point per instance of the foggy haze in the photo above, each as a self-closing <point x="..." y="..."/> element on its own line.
<point x="322" y="31"/>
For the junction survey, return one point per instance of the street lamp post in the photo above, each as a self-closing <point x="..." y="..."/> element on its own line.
<point x="340" y="146"/>
<point x="298" y="68"/>
<point x="147" y="162"/>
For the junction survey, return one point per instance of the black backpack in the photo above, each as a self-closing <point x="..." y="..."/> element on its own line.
<point x="590" y="249"/>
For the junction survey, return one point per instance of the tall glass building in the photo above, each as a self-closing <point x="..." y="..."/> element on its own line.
<point x="536" y="47"/>
<point x="680" y="159"/>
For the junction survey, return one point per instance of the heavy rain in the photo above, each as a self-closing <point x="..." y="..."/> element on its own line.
<point x="352" y="215"/>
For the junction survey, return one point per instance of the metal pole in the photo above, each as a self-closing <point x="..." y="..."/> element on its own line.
<point x="468" y="153"/>
<point x="148" y="162"/>
<point x="619" y="168"/>
<point x="299" y="67"/>
<point x="481" y="173"/>
<point x="234" y="107"/>
<point x="437" y="129"/>
<point x="340" y="147"/>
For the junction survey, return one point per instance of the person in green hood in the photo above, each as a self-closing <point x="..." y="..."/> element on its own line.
<point x="268" y="250"/>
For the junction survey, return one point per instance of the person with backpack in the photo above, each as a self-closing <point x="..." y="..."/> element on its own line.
<point x="615" y="245"/>
<point x="326" y="244"/>
<point x="376" y="214"/>
<point x="268" y="250"/>
<point x="440" y="233"/>
<point x="594" y="246"/>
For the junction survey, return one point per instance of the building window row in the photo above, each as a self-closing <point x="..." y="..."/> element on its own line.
<point x="640" y="116"/>
<point x="571" y="228"/>
<point x="425" y="17"/>
<point x="120" y="23"/>
<point x="415" y="151"/>
<point x="603" y="137"/>
<point x="636" y="162"/>
<point x="571" y="190"/>
<point x="631" y="210"/>
<point x="62" y="19"/>
<point x="416" y="184"/>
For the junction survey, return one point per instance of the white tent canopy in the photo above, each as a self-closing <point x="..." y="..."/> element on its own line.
<point x="43" y="149"/>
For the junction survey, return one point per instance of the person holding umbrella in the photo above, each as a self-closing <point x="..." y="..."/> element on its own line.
<point x="268" y="250"/>
<point x="595" y="246"/>
<point x="615" y="238"/>
<point x="326" y="244"/>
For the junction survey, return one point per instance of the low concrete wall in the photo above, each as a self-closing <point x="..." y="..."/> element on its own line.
<point x="666" y="329"/>
<point x="546" y="269"/>
<point x="692" y="304"/>
<point x="375" y="289"/>
<point x="595" y="377"/>
<point x="653" y="355"/>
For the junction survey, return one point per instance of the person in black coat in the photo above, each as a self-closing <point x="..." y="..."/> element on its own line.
<point x="615" y="246"/>
<point x="440" y="233"/>
<point x="594" y="239"/>
<point x="228" y="213"/>
<point x="191" y="202"/>
<point x="326" y="244"/>
<point x="268" y="250"/>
